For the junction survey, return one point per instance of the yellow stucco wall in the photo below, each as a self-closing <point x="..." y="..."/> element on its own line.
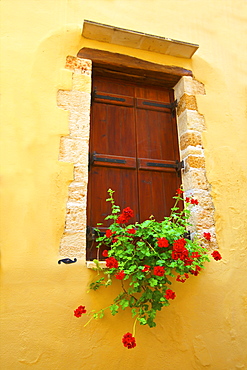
<point x="205" y="327"/>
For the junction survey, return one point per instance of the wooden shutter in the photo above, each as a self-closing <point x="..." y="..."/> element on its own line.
<point x="133" y="150"/>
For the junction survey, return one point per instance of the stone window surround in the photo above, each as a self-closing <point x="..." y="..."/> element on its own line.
<point x="74" y="149"/>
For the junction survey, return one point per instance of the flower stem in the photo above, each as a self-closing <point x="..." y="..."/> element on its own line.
<point x="134" y="327"/>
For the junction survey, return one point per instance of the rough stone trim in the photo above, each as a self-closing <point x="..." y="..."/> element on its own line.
<point x="74" y="149"/>
<point x="191" y="124"/>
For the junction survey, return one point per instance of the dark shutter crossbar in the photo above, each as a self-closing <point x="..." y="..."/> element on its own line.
<point x="111" y="160"/>
<point x="107" y="97"/>
<point x="178" y="165"/>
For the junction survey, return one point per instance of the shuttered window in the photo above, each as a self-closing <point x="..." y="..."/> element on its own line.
<point x="133" y="150"/>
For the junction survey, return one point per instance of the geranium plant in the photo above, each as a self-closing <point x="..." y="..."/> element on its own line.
<point x="145" y="257"/>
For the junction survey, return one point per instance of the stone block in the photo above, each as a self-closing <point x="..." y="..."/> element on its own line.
<point x="193" y="161"/>
<point x="186" y="102"/>
<point x="75" y="219"/>
<point x="79" y="65"/>
<point x="73" y="150"/>
<point x="79" y="124"/>
<point x="73" y="244"/>
<point x="195" y="179"/>
<point x="82" y="82"/>
<point x="190" y="120"/>
<point x="78" y="192"/>
<point x="191" y="150"/>
<point x="190" y="138"/>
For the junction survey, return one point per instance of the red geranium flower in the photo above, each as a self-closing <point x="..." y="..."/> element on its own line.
<point x="180" y="191"/>
<point x="105" y="253"/>
<point x="159" y="270"/>
<point x="128" y="341"/>
<point x="179" y="251"/>
<point x="125" y="215"/>
<point x="108" y="233"/>
<point x="196" y="271"/>
<point x="170" y="294"/>
<point x="207" y="236"/>
<point x="79" y="311"/>
<point x="182" y="280"/>
<point x="131" y="231"/>
<point x="194" y="201"/>
<point x="195" y="255"/>
<point x="146" y="268"/>
<point x="111" y="262"/>
<point x="216" y="255"/>
<point x="120" y="275"/>
<point x="187" y="200"/>
<point x="163" y="243"/>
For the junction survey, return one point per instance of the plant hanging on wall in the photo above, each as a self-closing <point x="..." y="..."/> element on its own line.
<point x="144" y="257"/>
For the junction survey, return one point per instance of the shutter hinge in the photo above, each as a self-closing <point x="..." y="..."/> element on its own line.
<point x="179" y="167"/>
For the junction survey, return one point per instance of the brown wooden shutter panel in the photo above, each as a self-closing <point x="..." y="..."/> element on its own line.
<point x="133" y="150"/>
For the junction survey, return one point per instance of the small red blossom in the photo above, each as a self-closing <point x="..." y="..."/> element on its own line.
<point x="181" y="279"/>
<point x="207" y="236"/>
<point x="146" y="268"/>
<point x="187" y="200"/>
<point x="125" y="216"/>
<point x="195" y="255"/>
<point x="105" y="253"/>
<point x="170" y="294"/>
<point x="114" y="240"/>
<point x="179" y="250"/>
<point x="194" y="201"/>
<point x="216" y="255"/>
<point x="79" y="311"/>
<point x="188" y="261"/>
<point x="131" y="231"/>
<point x="120" y="275"/>
<point x="108" y="233"/>
<point x="128" y="341"/>
<point x="159" y="271"/>
<point x="163" y="243"/>
<point x="196" y="271"/>
<point x="111" y="262"/>
<point x="180" y="191"/>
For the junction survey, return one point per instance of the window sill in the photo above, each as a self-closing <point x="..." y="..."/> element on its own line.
<point x="91" y="264"/>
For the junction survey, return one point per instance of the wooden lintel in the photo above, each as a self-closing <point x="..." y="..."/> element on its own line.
<point x="124" y="64"/>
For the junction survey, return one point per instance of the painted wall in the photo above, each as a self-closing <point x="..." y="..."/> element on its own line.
<point x="205" y="327"/>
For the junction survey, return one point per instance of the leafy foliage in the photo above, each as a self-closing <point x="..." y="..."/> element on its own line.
<point x="145" y="256"/>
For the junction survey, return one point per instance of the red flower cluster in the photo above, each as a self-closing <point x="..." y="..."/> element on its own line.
<point x="179" y="250"/>
<point x="191" y="200"/>
<point x="207" y="236"/>
<point x="159" y="270"/>
<point x="163" y="243"/>
<point x="105" y="253"/>
<point x="170" y="294"/>
<point x="129" y="341"/>
<point x="111" y="262"/>
<point x="146" y="268"/>
<point x="182" y="280"/>
<point x="79" y="311"/>
<point x="120" y="275"/>
<point x="125" y="216"/>
<point x="108" y="233"/>
<point x="196" y="271"/>
<point x="131" y="231"/>
<point x="179" y="191"/>
<point x="216" y="255"/>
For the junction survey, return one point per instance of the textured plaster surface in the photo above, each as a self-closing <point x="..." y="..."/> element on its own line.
<point x="205" y="326"/>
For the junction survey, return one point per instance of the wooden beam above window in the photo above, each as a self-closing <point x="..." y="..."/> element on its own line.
<point x="124" y="66"/>
<point x="137" y="40"/>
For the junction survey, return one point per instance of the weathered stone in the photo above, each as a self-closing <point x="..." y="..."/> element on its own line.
<point x="191" y="150"/>
<point x="75" y="219"/>
<point x="193" y="161"/>
<point x="195" y="179"/>
<point x="82" y="82"/>
<point x="83" y="66"/>
<point x="77" y="192"/>
<point x="190" y="120"/>
<point x="190" y="138"/>
<point x="186" y="102"/>
<point x="73" y="244"/>
<point x="73" y="150"/>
